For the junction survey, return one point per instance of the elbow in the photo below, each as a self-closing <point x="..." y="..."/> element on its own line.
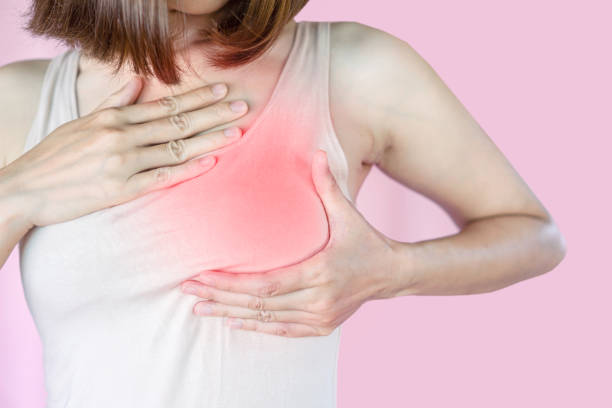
<point x="561" y="248"/>
<point x="555" y="246"/>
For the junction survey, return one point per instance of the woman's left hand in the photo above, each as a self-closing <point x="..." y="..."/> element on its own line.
<point x="313" y="297"/>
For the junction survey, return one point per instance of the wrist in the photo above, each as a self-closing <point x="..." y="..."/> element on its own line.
<point x="397" y="277"/>
<point x="13" y="209"/>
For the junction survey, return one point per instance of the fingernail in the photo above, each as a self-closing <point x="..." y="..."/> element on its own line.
<point x="219" y="89"/>
<point x="236" y="323"/>
<point x="206" y="161"/>
<point x="189" y="289"/>
<point x="203" y="308"/>
<point x="238" y="106"/>
<point x="232" y="132"/>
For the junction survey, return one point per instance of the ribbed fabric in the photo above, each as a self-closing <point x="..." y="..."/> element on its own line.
<point x="103" y="289"/>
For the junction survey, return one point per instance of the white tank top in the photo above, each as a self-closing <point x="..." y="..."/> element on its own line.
<point x="104" y="292"/>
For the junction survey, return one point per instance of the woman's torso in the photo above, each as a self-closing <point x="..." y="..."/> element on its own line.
<point x="103" y="288"/>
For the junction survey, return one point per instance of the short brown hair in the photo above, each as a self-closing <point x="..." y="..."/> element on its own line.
<point x="137" y="31"/>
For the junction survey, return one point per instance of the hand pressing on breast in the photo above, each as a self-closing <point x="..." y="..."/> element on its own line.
<point x="120" y="151"/>
<point x="315" y="296"/>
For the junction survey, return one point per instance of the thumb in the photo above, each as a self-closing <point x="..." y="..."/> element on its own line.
<point x="126" y="95"/>
<point x="328" y="189"/>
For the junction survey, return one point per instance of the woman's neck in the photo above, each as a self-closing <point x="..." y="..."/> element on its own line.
<point x="190" y="54"/>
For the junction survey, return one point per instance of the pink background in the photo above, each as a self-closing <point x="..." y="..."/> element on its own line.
<point x="536" y="76"/>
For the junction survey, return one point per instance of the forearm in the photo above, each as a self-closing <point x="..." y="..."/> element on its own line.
<point x="13" y="225"/>
<point x="486" y="255"/>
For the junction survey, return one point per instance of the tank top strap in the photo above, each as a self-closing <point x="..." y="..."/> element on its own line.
<point x="329" y="139"/>
<point x="303" y="79"/>
<point x="57" y="92"/>
<point x="303" y="93"/>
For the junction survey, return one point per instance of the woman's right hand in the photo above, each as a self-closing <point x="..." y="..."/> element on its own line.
<point x="120" y="151"/>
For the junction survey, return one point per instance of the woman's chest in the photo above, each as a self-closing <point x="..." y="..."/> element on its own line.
<point x="256" y="209"/>
<point x="256" y="88"/>
<point x="94" y="85"/>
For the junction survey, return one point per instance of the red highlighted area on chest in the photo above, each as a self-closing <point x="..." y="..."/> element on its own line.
<point x="256" y="210"/>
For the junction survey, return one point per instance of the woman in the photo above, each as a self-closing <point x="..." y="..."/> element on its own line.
<point x="117" y="218"/>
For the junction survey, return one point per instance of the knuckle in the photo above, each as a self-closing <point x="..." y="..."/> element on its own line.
<point x="170" y="104"/>
<point x="269" y="289"/>
<point x="270" y="316"/>
<point x="116" y="161"/>
<point x="266" y="316"/>
<point x="256" y="303"/>
<point x="282" y="331"/>
<point x="322" y="306"/>
<point x="312" y="274"/>
<point x="111" y="135"/>
<point x="326" y="320"/>
<point x="162" y="175"/>
<point x="323" y="277"/>
<point x="107" y="115"/>
<point x="319" y="272"/>
<point x="176" y="149"/>
<point x="181" y="122"/>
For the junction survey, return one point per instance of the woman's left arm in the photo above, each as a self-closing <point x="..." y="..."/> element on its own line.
<point x="435" y="147"/>
<point x="429" y="143"/>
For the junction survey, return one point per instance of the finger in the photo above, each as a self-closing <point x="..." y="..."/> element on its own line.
<point x="263" y="284"/>
<point x="213" y="308"/>
<point x="173" y="104"/>
<point x="164" y="177"/>
<point x="186" y="124"/>
<point x="165" y="154"/>
<point x="299" y="301"/>
<point x="277" y="329"/>
<point x="126" y="95"/>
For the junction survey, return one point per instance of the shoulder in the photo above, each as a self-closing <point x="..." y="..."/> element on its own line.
<point x="368" y="52"/>
<point x="375" y="69"/>
<point x="20" y="86"/>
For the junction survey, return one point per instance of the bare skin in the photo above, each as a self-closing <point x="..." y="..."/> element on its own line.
<point x="416" y="131"/>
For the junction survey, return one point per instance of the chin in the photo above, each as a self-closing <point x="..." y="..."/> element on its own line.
<point x="195" y="7"/>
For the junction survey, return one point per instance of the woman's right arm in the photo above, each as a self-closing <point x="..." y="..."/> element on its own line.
<point x="20" y="86"/>
<point x="13" y="224"/>
<point x="115" y="154"/>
